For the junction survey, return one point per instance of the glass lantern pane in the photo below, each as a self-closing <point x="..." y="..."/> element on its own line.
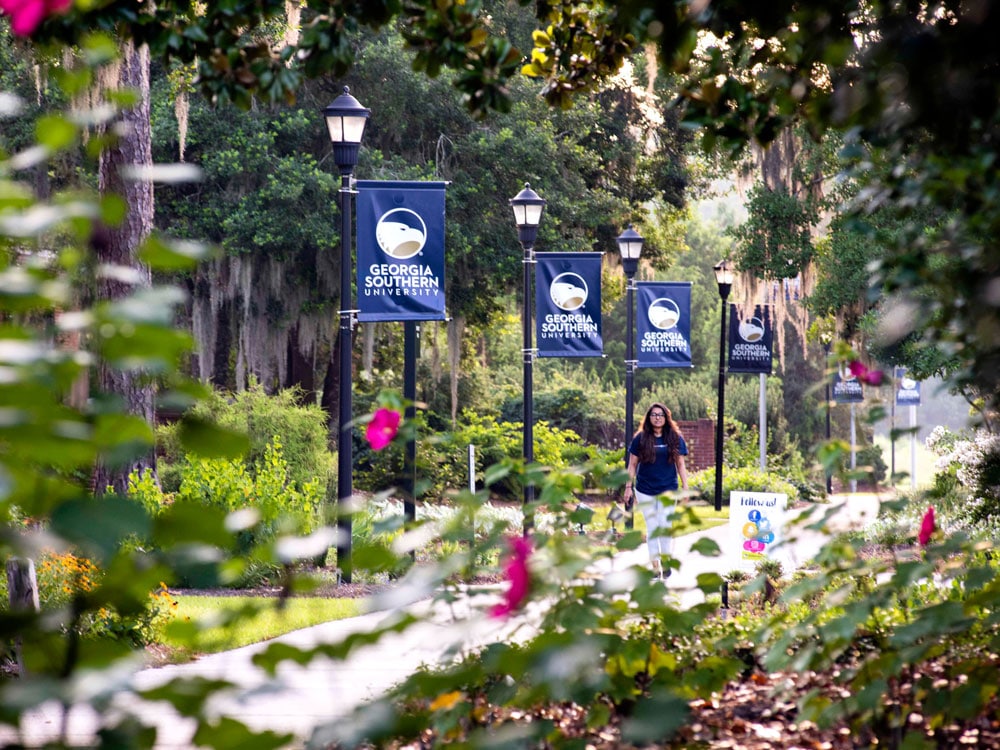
<point x="533" y="214"/>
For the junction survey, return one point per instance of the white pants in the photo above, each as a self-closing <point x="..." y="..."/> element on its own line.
<point x="658" y="511"/>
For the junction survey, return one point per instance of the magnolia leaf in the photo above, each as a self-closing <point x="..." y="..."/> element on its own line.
<point x="231" y="733"/>
<point x="173" y="256"/>
<point x="656" y="718"/>
<point x="55" y="132"/>
<point x="100" y="525"/>
<point x="707" y="547"/>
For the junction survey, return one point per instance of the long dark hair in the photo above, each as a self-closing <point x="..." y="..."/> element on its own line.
<point x="647" y="439"/>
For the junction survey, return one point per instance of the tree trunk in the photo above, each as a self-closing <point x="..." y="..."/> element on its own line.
<point x="222" y="367"/>
<point x="22" y="593"/>
<point x="118" y="245"/>
<point x="300" y="370"/>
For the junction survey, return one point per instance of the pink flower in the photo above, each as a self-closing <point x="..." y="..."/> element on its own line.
<point x="862" y="373"/>
<point x="382" y="429"/>
<point x="926" y="527"/>
<point x="518" y="576"/>
<point x="25" y="15"/>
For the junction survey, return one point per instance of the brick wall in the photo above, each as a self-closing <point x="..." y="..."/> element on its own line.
<point x="699" y="434"/>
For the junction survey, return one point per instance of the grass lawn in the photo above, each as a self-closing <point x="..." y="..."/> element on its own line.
<point x="209" y="624"/>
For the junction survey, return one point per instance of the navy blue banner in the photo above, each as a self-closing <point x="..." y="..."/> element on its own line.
<point x="568" y="304"/>
<point x="750" y="340"/>
<point x="664" y="323"/>
<point x="907" y="389"/>
<point x="400" y="250"/>
<point x="847" y="389"/>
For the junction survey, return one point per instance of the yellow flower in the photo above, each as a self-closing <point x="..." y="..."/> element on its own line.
<point x="446" y="701"/>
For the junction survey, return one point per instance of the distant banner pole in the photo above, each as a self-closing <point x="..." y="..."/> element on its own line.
<point x="472" y="490"/>
<point x="908" y="394"/>
<point x="472" y="468"/>
<point x="892" y="431"/>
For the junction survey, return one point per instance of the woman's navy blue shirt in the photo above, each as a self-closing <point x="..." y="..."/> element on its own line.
<point x="660" y="475"/>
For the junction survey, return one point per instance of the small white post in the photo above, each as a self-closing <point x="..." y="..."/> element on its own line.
<point x="472" y="489"/>
<point x="472" y="468"/>
<point x="913" y="446"/>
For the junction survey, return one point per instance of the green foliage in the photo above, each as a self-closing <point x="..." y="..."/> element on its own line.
<point x="443" y="459"/>
<point x="884" y="624"/>
<point x="969" y="482"/>
<point x="776" y="240"/>
<point x="869" y="459"/>
<point x="277" y="504"/>
<point x="262" y="417"/>
<point x="875" y="628"/>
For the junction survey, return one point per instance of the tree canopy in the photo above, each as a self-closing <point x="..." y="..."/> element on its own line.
<point x="914" y="84"/>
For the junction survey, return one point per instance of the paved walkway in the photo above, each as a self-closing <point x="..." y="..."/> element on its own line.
<point x="300" y="699"/>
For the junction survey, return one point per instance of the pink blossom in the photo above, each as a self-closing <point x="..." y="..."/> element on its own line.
<point x="25" y="15"/>
<point x="518" y="576"/>
<point x="926" y="527"/>
<point x="862" y="373"/>
<point x="382" y="429"/>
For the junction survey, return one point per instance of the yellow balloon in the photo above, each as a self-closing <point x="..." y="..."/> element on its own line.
<point x="749" y="530"/>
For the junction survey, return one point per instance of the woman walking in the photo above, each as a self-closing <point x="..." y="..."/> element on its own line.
<point x="655" y="464"/>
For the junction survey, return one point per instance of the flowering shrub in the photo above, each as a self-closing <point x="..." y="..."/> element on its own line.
<point x="141" y="626"/>
<point x="974" y="464"/>
<point x="65" y="579"/>
<point x="63" y="575"/>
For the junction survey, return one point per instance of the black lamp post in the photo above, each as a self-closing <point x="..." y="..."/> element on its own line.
<point x="528" y="207"/>
<point x="346" y="119"/>
<point x="630" y="247"/>
<point x="724" y="278"/>
<point x="826" y="348"/>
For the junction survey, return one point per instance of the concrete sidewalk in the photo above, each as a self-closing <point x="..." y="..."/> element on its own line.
<point x="300" y="699"/>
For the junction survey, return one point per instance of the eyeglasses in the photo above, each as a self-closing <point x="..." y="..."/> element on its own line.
<point x="657" y="415"/>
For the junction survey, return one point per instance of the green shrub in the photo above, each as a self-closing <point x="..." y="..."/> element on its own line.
<point x="261" y="416"/>
<point x="281" y="502"/>
<point x="744" y="479"/>
<point x="443" y="464"/>
<point x="870" y="459"/>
